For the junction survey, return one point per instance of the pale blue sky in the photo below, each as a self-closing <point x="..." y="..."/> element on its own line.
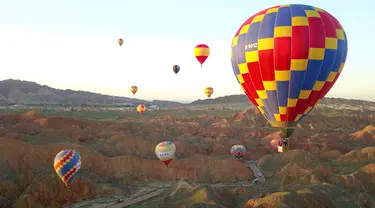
<point x="72" y="44"/>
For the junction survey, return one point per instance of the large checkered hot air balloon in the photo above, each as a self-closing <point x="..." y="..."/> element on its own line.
<point x="287" y="58"/>
<point x="66" y="164"/>
<point x="165" y="151"/>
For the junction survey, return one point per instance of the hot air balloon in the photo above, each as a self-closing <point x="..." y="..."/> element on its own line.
<point x="176" y="69"/>
<point x="238" y="151"/>
<point x="208" y="91"/>
<point x="278" y="145"/>
<point x="165" y="152"/>
<point x="286" y="58"/>
<point x="201" y="52"/>
<point x="120" y="41"/>
<point x="141" y="108"/>
<point x="66" y="164"/>
<point x="133" y="89"/>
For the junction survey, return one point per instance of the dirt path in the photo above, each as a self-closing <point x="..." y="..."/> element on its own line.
<point x="259" y="175"/>
<point x="137" y="199"/>
<point x="232" y="184"/>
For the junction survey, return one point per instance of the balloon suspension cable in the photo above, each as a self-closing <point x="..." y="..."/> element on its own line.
<point x="286" y="132"/>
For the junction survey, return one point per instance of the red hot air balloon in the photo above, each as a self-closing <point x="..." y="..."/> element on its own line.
<point x="201" y="52"/>
<point x="286" y="58"/>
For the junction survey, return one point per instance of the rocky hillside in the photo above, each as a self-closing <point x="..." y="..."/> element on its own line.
<point x="118" y="156"/>
<point x="24" y="92"/>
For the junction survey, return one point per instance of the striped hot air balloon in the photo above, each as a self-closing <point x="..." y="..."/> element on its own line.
<point x="208" y="91"/>
<point x="238" y="151"/>
<point x="66" y="164"/>
<point x="141" y="108"/>
<point x="165" y="151"/>
<point x="201" y="52"/>
<point x="286" y="58"/>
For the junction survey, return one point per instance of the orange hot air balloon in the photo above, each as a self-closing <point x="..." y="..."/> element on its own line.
<point x="133" y="89"/>
<point x="120" y="41"/>
<point x="208" y="91"/>
<point x="201" y="52"/>
<point x="286" y="58"/>
<point x="141" y="108"/>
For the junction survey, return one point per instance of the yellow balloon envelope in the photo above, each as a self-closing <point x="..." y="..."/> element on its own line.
<point x="141" y="108"/>
<point x="208" y="91"/>
<point x="165" y="151"/>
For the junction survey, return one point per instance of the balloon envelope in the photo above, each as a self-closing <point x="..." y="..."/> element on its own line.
<point x="133" y="89"/>
<point x="208" y="91"/>
<point x="286" y="58"/>
<point x="66" y="164"/>
<point x="176" y="69"/>
<point x="120" y="41"/>
<point x="141" y="108"/>
<point x="201" y="52"/>
<point x="165" y="151"/>
<point x="238" y="151"/>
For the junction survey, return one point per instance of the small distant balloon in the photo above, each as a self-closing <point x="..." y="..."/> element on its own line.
<point x="238" y="151"/>
<point x="133" y="89"/>
<point x="66" y="164"/>
<point x="165" y="152"/>
<point x="120" y="41"/>
<point x="201" y="52"/>
<point x="208" y="91"/>
<point x="141" y="108"/>
<point x="176" y="69"/>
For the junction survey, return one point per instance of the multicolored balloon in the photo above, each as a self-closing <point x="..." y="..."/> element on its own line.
<point x="286" y="58"/>
<point x="208" y="91"/>
<point x="141" y="108"/>
<point x="66" y="164"/>
<point x="120" y="41"/>
<point x="134" y="89"/>
<point x="277" y="145"/>
<point x="176" y="69"/>
<point x="238" y="151"/>
<point x="201" y="52"/>
<point x="165" y="152"/>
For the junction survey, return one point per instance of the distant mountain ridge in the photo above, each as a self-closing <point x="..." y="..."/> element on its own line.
<point x="26" y="92"/>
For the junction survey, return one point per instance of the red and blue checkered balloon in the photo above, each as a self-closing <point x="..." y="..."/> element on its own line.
<point x="286" y="58"/>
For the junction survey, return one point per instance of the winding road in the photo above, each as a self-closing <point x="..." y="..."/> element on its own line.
<point x="138" y="199"/>
<point x="154" y="193"/>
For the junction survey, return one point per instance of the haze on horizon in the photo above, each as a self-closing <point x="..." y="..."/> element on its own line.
<point x="73" y="45"/>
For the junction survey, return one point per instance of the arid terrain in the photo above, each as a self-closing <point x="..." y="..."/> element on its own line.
<point x="331" y="162"/>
